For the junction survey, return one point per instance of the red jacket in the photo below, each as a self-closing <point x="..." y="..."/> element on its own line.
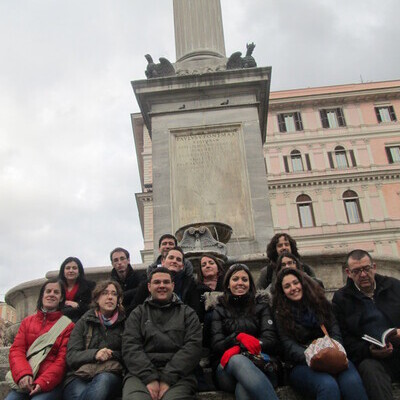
<point x="52" y="369"/>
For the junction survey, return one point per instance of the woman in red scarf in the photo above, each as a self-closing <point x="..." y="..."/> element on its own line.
<point x="78" y="290"/>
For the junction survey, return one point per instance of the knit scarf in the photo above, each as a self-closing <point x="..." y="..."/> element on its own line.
<point x="107" y="321"/>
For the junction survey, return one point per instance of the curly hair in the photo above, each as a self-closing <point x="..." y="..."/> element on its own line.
<point x="272" y="254"/>
<point x="313" y="299"/>
<point x="100" y="287"/>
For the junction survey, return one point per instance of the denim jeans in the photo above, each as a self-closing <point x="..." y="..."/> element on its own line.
<point x="323" y="386"/>
<point x="245" y="379"/>
<point x="55" y="394"/>
<point x="102" y="387"/>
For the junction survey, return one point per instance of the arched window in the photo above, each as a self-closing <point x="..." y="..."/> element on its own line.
<point x="352" y="206"/>
<point x="341" y="157"/>
<point x="305" y="210"/>
<point x="297" y="163"/>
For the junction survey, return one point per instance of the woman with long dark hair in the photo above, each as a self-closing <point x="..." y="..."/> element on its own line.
<point x="242" y="323"/>
<point x="38" y="366"/>
<point x="300" y="309"/>
<point x="78" y="290"/>
<point x="97" y="338"/>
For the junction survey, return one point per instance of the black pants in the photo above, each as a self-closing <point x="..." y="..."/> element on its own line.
<point x="378" y="375"/>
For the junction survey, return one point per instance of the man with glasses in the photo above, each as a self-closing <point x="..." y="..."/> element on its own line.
<point x="125" y="275"/>
<point x="369" y="304"/>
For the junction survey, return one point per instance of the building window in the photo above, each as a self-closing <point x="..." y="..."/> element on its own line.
<point x="332" y="118"/>
<point x="296" y="162"/>
<point x="290" y="122"/>
<point x="385" y="114"/>
<point x="352" y="206"/>
<point x="393" y="154"/>
<point x="339" y="158"/>
<point x="305" y="210"/>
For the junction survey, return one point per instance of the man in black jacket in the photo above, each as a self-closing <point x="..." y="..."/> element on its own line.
<point x="125" y="275"/>
<point x="161" y="345"/>
<point x="369" y="304"/>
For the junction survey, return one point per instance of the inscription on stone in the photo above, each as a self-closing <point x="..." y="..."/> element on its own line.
<point x="209" y="178"/>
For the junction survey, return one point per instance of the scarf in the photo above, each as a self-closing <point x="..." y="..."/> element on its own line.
<point x="70" y="294"/>
<point x="107" y="321"/>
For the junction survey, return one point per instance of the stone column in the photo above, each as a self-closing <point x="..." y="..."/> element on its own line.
<point x="198" y="29"/>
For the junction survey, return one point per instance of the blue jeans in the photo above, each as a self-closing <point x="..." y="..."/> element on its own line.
<point x="55" y="394"/>
<point x="102" y="387"/>
<point x="324" y="386"/>
<point x="245" y="379"/>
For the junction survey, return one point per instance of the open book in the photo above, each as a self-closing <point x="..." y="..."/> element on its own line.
<point x="383" y="340"/>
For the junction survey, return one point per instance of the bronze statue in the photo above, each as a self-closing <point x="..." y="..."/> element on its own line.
<point x="164" y="68"/>
<point x="236" y="61"/>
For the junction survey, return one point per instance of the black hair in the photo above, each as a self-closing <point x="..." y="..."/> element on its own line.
<point x="288" y="255"/>
<point x="160" y="270"/>
<point x="39" y="304"/>
<point x="272" y="254"/>
<point x="119" y="249"/>
<point x="78" y="262"/>
<point x="177" y="248"/>
<point x="167" y="236"/>
<point x="220" y="265"/>
<point x="357" y="254"/>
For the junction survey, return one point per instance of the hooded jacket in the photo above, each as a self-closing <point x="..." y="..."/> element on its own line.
<point x="52" y="369"/>
<point x="162" y="341"/>
<point x="349" y="305"/>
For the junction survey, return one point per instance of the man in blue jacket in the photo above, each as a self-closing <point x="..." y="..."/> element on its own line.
<point x="369" y="304"/>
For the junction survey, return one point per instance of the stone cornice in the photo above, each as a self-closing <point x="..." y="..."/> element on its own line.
<point x="319" y="180"/>
<point x="335" y="98"/>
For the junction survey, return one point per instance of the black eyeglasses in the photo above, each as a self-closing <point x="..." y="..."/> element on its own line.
<point x="357" y="271"/>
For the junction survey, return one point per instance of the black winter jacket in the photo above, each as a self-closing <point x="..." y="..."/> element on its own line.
<point x="227" y="324"/>
<point x="110" y="337"/>
<point x="83" y="297"/>
<point x="129" y="287"/>
<point x="349" y="304"/>
<point x="162" y="342"/>
<point x="294" y="347"/>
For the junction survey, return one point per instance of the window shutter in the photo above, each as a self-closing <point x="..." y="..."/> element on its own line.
<point x="285" y="161"/>
<point x="330" y="160"/>
<point x="392" y="114"/>
<point x="281" y="123"/>
<point x="298" y="122"/>
<point x="308" y="162"/>
<point x="378" y="114"/>
<point x="389" y="155"/>
<point x="324" y="118"/>
<point x="353" y="159"/>
<point x="340" y="116"/>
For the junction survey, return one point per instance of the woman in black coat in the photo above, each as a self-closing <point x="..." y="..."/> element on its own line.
<point x="78" y="290"/>
<point x="242" y="323"/>
<point x="300" y="308"/>
<point x="97" y="338"/>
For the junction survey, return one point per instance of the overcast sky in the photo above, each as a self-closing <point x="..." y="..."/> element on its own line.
<point x="68" y="172"/>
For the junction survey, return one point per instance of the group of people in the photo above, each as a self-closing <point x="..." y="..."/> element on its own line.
<point x="142" y="333"/>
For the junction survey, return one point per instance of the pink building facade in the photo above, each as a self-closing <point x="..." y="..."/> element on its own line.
<point x="333" y="161"/>
<point x="332" y="156"/>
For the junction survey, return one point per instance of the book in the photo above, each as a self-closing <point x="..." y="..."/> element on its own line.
<point x="384" y="339"/>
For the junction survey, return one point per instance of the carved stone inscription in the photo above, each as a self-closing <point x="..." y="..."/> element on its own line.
<point x="209" y="179"/>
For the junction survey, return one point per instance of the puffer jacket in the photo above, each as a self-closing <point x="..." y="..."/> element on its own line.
<point x="83" y="297"/>
<point x="162" y="342"/>
<point x="52" y="369"/>
<point x="294" y="347"/>
<point x="227" y="324"/>
<point x="102" y="336"/>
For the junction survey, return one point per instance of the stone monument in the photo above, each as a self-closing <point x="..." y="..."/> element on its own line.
<point x="207" y="125"/>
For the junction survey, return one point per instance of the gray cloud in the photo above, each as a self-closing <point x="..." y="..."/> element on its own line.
<point x="68" y="171"/>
